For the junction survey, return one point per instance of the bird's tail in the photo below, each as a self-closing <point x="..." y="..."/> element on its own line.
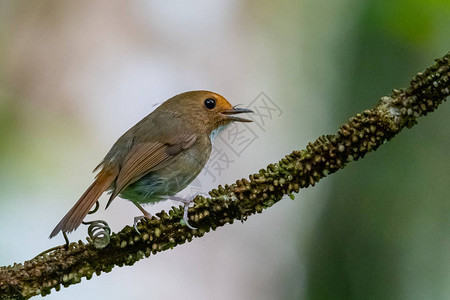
<point x="77" y="213"/>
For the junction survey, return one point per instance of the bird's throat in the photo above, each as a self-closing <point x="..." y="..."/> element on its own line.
<point x="216" y="132"/>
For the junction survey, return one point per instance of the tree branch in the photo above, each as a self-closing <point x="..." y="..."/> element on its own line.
<point x="363" y="133"/>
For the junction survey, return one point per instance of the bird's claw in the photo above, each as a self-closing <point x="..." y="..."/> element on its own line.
<point x="186" y="201"/>
<point x="138" y="218"/>
<point x="185" y="217"/>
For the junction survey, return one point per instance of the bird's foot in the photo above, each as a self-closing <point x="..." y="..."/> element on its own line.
<point x="146" y="215"/>
<point x="186" y="201"/>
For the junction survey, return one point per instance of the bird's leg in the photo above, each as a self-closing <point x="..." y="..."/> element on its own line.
<point x="186" y="201"/>
<point x="138" y="218"/>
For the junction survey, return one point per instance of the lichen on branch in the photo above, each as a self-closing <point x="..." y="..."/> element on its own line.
<point x="362" y="134"/>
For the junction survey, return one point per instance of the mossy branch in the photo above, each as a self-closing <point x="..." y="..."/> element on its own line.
<point x="363" y="133"/>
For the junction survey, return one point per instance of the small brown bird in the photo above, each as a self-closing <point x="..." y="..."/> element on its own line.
<point x="159" y="156"/>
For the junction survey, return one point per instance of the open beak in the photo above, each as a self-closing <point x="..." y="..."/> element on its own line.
<point x="229" y="114"/>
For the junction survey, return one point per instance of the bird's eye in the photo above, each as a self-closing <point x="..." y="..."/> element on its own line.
<point x="210" y="103"/>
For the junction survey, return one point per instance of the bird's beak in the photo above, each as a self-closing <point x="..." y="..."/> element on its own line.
<point x="229" y="114"/>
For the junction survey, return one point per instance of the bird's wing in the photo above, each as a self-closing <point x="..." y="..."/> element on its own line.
<point x="147" y="156"/>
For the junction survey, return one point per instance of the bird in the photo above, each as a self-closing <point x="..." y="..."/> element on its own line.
<point x="159" y="156"/>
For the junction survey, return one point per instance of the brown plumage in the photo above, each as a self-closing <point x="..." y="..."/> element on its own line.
<point x="76" y="215"/>
<point x="159" y="156"/>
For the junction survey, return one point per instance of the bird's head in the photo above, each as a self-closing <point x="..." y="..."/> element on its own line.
<point x="208" y="111"/>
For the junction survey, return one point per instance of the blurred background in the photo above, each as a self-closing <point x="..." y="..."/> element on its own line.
<point x="75" y="75"/>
